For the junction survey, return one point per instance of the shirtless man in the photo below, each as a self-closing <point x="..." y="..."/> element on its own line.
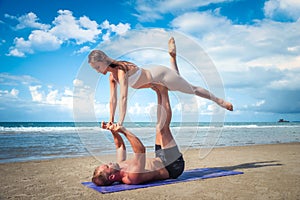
<point x="168" y="162"/>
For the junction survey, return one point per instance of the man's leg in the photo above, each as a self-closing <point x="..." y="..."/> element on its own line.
<point x="169" y="152"/>
<point x="158" y="136"/>
<point x="163" y="132"/>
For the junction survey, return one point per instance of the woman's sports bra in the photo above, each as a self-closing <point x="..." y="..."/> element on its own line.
<point x="133" y="78"/>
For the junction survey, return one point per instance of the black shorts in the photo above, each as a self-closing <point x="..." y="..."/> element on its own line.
<point x="172" y="160"/>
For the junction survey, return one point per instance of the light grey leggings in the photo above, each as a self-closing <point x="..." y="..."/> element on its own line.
<point x="174" y="82"/>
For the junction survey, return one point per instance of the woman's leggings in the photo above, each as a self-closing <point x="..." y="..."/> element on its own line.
<point x="174" y="82"/>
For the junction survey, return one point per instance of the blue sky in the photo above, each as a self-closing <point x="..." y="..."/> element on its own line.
<point x="254" y="45"/>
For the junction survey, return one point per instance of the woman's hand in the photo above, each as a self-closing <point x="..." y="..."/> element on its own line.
<point x="115" y="127"/>
<point x="105" y="125"/>
<point x="112" y="127"/>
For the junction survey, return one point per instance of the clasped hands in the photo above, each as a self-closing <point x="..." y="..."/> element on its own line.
<point x="114" y="127"/>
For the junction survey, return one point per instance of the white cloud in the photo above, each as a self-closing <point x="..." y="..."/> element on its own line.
<point x="38" y="40"/>
<point x="16" y="52"/>
<point x="101" y="110"/>
<point x="13" y="93"/>
<point x="83" y="50"/>
<point x="83" y="101"/>
<point x="200" y="22"/>
<point x="20" y="48"/>
<point x="259" y="103"/>
<point x="288" y="81"/>
<point x="236" y="47"/>
<point x="138" y="109"/>
<point x="36" y="94"/>
<point x="68" y="92"/>
<point x="29" y="20"/>
<point x="44" y="41"/>
<point x="65" y="28"/>
<point x="153" y="10"/>
<point x="24" y="95"/>
<point x="119" y="29"/>
<point x="77" y="83"/>
<point x="2" y="42"/>
<point x="282" y="9"/>
<point x="52" y="97"/>
<point x="13" y="80"/>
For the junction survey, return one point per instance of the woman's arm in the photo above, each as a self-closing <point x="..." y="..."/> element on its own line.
<point x="122" y="76"/>
<point x="113" y="98"/>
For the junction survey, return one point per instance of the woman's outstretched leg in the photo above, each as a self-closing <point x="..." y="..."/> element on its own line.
<point x="172" y="52"/>
<point x="199" y="91"/>
<point x="175" y="82"/>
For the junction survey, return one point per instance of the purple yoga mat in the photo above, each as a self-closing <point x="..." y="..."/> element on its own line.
<point x="189" y="175"/>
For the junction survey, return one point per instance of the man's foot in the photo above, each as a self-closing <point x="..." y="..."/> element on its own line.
<point x="172" y="47"/>
<point x="159" y="88"/>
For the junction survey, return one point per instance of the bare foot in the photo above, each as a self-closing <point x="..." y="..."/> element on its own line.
<point x="225" y="104"/>
<point x="172" y="47"/>
<point x="228" y="106"/>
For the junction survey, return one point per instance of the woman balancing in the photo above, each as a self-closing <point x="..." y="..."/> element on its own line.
<point x="128" y="74"/>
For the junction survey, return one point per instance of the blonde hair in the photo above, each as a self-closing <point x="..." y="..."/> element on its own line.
<point x="97" y="56"/>
<point x="100" y="56"/>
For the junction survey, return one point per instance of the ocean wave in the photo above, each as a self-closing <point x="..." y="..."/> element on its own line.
<point x="46" y="129"/>
<point x="135" y="128"/>
<point x="255" y="126"/>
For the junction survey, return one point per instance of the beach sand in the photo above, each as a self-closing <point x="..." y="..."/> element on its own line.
<point x="270" y="172"/>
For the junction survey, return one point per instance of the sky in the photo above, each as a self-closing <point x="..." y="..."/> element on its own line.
<point x="253" y="48"/>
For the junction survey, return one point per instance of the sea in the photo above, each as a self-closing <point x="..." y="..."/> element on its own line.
<point x="34" y="141"/>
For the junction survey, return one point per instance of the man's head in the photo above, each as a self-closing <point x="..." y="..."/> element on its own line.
<point x="105" y="175"/>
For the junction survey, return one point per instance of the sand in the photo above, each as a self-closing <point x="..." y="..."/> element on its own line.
<point x="270" y="172"/>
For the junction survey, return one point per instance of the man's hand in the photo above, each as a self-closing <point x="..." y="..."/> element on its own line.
<point x="104" y="125"/>
<point x="112" y="127"/>
<point x="115" y="127"/>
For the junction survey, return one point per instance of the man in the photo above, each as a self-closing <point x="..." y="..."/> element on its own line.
<point x="168" y="162"/>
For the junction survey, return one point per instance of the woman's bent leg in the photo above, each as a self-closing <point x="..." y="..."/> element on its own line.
<point x="172" y="52"/>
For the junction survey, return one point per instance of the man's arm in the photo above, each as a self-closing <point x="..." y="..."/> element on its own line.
<point x="136" y="169"/>
<point x="136" y="144"/>
<point x="119" y="142"/>
<point x="139" y="160"/>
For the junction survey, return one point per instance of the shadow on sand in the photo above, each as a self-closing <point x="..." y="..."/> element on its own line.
<point x="252" y="165"/>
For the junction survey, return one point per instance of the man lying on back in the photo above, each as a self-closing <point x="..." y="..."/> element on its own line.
<point x="168" y="162"/>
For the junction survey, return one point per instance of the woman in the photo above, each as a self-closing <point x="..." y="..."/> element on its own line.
<point x="128" y="74"/>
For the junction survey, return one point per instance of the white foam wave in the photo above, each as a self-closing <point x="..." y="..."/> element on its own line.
<point x="135" y="129"/>
<point x="46" y="129"/>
